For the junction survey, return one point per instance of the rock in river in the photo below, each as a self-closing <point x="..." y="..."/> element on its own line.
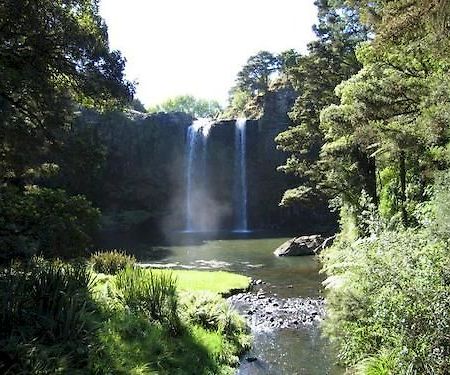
<point x="304" y="245"/>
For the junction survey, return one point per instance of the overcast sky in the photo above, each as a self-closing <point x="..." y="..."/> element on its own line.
<point x="176" y="47"/>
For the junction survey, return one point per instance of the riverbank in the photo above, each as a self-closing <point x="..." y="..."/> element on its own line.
<point x="138" y="321"/>
<point x="280" y="346"/>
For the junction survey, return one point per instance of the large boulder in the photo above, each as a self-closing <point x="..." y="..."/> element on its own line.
<point x="304" y="245"/>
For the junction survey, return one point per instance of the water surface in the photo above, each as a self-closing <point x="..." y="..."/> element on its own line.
<point x="284" y="352"/>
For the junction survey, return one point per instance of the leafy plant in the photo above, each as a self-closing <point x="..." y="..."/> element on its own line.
<point x="111" y="262"/>
<point x="390" y="294"/>
<point x="44" y="309"/>
<point x="212" y="312"/>
<point x="44" y="221"/>
<point x="153" y="294"/>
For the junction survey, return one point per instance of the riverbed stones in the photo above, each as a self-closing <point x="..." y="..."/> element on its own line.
<point x="270" y="313"/>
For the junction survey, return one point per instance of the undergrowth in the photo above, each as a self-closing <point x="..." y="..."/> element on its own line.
<point x="388" y="303"/>
<point x="111" y="262"/>
<point x="61" y="318"/>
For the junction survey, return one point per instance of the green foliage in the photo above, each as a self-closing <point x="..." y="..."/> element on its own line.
<point x="240" y="104"/>
<point x="439" y="222"/>
<point x="388" y="301"/>
<point x="111" y="262"/>
<point x="56" y="319"/>
<point x="81" y="160"/>
<point x="263" y="73"/>
<point x="44" y="314"/>
<point x="153" y="294"/>
<point x="330" y="60"/>
<point x="189" y="104"/>
<point x="54" y="58"/>
<point x="396" y="21"/>
<point x="44" y="221"/>
<point x="254" y="76"/>
<point x="130" y="342"/>
<point x="382" y="364"/>
<point x="211" y="312"/>
<point x="52" y="54"/>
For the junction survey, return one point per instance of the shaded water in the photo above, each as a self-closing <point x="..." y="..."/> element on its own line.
<point x="279" y="351"/>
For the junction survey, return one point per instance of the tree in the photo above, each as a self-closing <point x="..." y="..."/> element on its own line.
<point x="394" y="21"/>
<point x="330" y="60"/>
<point x="53" y="54"/>
<point x="393" y="111"/>
<point x="288" y="59"/>
<point x="189" y="104"/>
<point x="137" y="105"/>
<point x="255" y="74"/>
<point x="54" y="59"/>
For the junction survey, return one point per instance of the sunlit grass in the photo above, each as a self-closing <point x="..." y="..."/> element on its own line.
<point x="220" y="282"/>
<point x="130" y="343"/>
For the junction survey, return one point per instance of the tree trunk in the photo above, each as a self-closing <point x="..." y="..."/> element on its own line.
<point x="368" y="172"/>
<point x="402" y="195"/>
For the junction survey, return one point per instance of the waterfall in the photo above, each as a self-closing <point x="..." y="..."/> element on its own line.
<point x="240" y="180"/>
<point x="196" y="174"/>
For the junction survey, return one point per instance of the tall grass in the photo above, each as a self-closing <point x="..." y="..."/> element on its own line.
<point x="154" y="294"/>
<point x="42" y="303"/>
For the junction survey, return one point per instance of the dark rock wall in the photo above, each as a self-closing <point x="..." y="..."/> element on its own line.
<point x="144" y="177"/>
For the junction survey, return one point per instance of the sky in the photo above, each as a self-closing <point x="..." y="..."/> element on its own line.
<point x="197" y="47"/>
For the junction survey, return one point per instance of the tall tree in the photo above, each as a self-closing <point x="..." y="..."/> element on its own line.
<point x="393" y="109"/>
<point x="330" y="60"/>
<point x="53" y="53"/>
<point x="255" y="75"/>
<point x="54" y="58"/>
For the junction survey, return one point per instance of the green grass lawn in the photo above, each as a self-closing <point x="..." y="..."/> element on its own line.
<point x="219" y="282"/>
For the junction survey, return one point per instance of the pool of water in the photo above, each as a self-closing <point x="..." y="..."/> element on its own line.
<point x="279" y="351"/>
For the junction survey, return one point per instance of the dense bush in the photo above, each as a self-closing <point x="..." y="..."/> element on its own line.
<point x="151" y="293"/>
<point x="44" y="221"/>
<point x="389" y="303"/>
<point x="212" y="312"/>
<point x="44" y="310"/>
<point x="111" y="262"/>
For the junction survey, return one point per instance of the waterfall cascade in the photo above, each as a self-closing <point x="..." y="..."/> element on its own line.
<point x="240" y="179"/>
<point x="196" y="174"/>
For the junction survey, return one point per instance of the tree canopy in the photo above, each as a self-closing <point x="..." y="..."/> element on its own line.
<point x="189" y="104"/>
<point x="254" y="76"/>
<point x="330" y="60"/>
<point x="53" y="55"/>
<point x="54" y="60"/>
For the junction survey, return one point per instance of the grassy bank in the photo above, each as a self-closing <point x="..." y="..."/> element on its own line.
<point x="60" y="318"/>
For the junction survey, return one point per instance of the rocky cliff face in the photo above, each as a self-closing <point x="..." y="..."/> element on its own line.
<point x="144" y="176"/>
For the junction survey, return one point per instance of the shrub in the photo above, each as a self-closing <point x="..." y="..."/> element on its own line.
<point x="44" y="221"/>
<point x="213" y="313"/>
<point x="388" y="305"/>
<point x="153" y="294"/>
<point x="43" y="309"/>
<point x="111" y="262"/>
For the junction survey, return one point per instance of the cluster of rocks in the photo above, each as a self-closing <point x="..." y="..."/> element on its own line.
<point x="267" y="312"/>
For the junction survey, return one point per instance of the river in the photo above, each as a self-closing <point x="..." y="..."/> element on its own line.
<point x="277" y="351"/>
